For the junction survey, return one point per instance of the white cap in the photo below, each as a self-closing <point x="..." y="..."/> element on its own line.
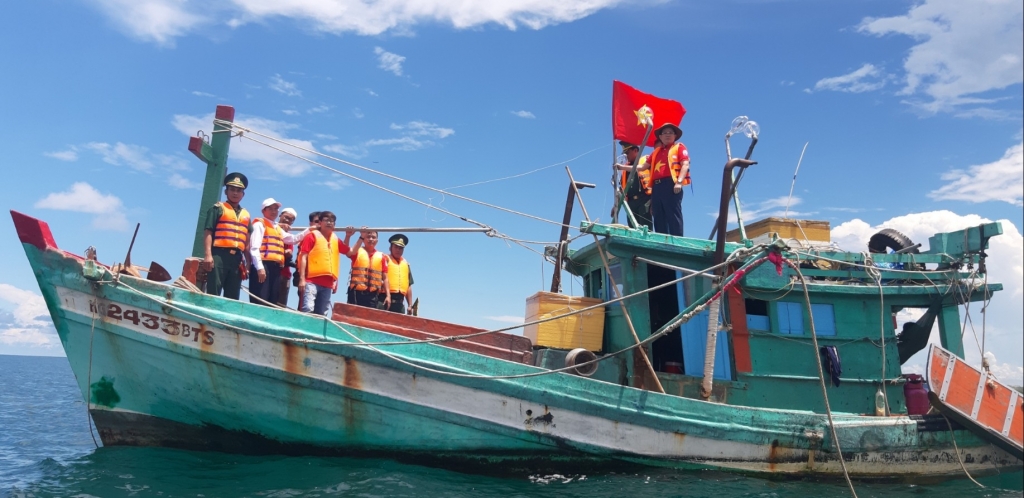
<point x="270" y="202"/>
<point x="290" y="211"/>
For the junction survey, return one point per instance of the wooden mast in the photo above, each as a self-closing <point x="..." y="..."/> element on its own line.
<point x="215" y="155"/>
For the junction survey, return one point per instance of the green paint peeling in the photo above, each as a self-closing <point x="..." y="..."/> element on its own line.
<point x="103" y="393"/>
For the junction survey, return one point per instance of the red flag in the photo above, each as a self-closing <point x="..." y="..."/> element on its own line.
<point x="628" y="108"/>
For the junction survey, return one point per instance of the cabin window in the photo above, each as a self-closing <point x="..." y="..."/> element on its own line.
<point x="791" y="318"/>
<point x="824" y="319"/>
<point x="615" y="271"/>
<point x="757" y="315"/>
<point x="593" y="284"/>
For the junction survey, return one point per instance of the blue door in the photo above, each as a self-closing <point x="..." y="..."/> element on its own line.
<point x="695" y="333"/>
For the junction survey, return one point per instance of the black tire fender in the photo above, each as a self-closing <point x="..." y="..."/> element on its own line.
<point x="888" y="238"/>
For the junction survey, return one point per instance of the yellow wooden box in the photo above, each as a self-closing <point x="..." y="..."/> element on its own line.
<point x="785" y="228"/>
<point x="580" y="330"/>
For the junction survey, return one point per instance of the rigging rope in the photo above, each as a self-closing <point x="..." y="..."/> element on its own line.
<point x="230" y="124"/>
<point x="529" y="172"/>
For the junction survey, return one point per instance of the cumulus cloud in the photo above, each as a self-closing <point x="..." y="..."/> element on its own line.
<point x="278" y="84"/>
<point x="1003" y="320"/>
<point x="83" y="198"/>
<point x="161" y="21"/>
<point x="523" y="114"/>
<point x="178" y="181"/>
<point x="69" y="155"/>
<point x="157" y="21"/>
<point x="29" y="324"/>
<point x="251" y="152"/>
<point x="318" y="109"/>
<point x="964" y="49"/>
<point x="865" y="79"/>
<point x="423" y="129"/>
<point x="388" y="61"/>
<point x="414" y="135"/>
<point x="1000" y="180"/>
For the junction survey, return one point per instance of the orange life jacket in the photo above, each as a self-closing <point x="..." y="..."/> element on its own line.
<point x="367" y="271"/>
<point x="272" y="246"/>
<point x="323" y="259"/>
<point x="232" y="230"/>
<point x="675" y="163"/>
<point x="398" y="275"/>
<point x="643" y="176"/>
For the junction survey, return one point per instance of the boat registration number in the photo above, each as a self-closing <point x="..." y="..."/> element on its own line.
<point x="168" y="326"/>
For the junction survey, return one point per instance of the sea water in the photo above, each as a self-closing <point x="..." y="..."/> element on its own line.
<point x="46" y="450"/>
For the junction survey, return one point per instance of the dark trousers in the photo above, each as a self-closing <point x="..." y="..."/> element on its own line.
<point x="641" y="211"/>
<point x="667" y="208"/>
<point x="365" y="298"/>
<point x="268" y="290"/>
<point x="282" y="291"/>
<point x="397" y="303"/>
<point x="226" y="276"/>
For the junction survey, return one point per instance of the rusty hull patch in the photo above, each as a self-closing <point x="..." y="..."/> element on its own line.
<point x="295" y="357"/>
<point x="352" y="379"/>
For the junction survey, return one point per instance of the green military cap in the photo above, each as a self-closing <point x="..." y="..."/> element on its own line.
<point x="399" y="240"/>
<point x="236" y="180"/>
<point x="626" y="145"/>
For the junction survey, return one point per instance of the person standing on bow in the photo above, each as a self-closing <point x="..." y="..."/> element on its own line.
<point x="399" y="275"/>
<point x="369" y="277"/>
<point x="314" y="224"/>
<point x="226" y="237"/>
<point x="670" y="171"/>
<point x="267" y="254"/>
<point x="319" y="257"/>
<point x="285" y="222"/>
<point x="638" y="195"/>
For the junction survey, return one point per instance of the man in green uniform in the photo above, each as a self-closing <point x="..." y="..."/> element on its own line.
<point x="227" y="234"/>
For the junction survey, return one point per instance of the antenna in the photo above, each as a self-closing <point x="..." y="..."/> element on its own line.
<point x="791" y="185"/>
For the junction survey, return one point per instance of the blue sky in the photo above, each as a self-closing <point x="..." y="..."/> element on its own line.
<point x="912" y="111"/>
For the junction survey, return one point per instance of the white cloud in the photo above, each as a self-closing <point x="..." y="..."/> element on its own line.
<point x="358" y="113"/>
<point x="291" y="112"/>
<point x="865" y="79"/>
<point x="178" y="181"/>
<point x="1000" y="180"/>
<point x="249" y="151"/>
<point x="325" y="136"/>
<point x="83" y="198"/>
<point x="400" y="143"/>
<point x="763" y="209"/>
<point x="197" y="93"/>
<point x="423" y="129"/>
<point x="157" y="21"/>
<point x="506" y="319"/>
<point x="1003" y="320"/>
<point x="69" y="155"/>
<point x="523" y="114"/>
<point x="388" y="61"/>
<point x="29" y="324"/>
<point x="120" y="154"/>
<point x="335" y="184"/>
<point x="964" y="49"/>
<point x="288" y="88"/>
<point x="349" y="151"/>
<point x="372" y="93"/>
<point x="319" y="109"/>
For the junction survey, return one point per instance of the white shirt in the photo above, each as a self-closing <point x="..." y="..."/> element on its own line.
<point x="256" y="240"/>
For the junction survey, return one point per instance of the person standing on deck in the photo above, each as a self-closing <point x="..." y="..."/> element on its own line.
<point x="670" y="171"/>
<point x="226" y="237"/>
<point x="638" y="197"/>
<point x="285" y="221"/>
<point x="399" y="274"/>
<point x="369" y="277"/>
<point x="319" y="257"/>
<point x="267" y="254"/>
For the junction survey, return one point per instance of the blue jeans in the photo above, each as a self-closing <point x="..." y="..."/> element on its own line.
<point x="317" y="300"/>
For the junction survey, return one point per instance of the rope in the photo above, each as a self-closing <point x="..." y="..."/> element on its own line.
<point x="877" y="277"/>
<point x="821" y="377"/>
<point x="370" y="170"/>
<point x="88" y="383"/>
<point x="529" y="172"/>
<point x="956" y="450"/>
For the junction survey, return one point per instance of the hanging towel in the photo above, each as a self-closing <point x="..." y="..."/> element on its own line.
<point x="830" y="360"/>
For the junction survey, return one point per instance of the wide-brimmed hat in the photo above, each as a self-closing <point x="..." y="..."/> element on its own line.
<point x="236" y="180"/>
<point x="678" y="132"/>
<point x="626" y="145"/>
<point x="399" y="240"/>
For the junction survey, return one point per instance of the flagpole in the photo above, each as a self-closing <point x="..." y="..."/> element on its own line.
<point x="633" y="174"/>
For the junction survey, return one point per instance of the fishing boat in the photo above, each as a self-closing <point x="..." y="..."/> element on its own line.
<point x="774" y="354"/>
